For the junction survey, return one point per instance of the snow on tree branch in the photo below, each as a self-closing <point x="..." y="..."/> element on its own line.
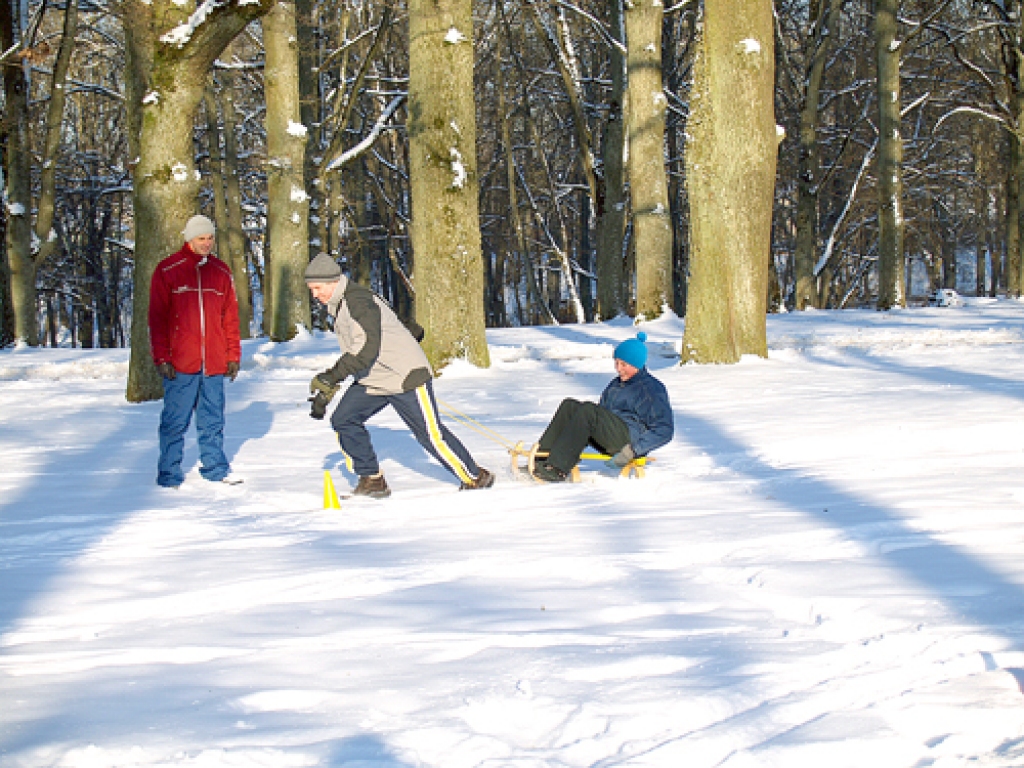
<point x="182" y="33"/>
<point x="846" y="209"/>
<point x="368" y="140"/>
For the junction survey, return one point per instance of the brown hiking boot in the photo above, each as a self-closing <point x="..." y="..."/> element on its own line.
<point x="374" y="486"/>
<point x="484" y="480"/>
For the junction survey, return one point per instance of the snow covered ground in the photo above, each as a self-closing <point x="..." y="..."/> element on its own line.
<point x="824" y="568"/>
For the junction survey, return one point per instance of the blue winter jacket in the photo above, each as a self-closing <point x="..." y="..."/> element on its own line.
<point x="641" y="402"/>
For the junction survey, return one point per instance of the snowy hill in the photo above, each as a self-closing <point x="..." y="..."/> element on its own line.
<point x="825" y="567"/>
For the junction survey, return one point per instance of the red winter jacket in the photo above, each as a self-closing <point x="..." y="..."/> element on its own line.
<point x="194" y="335"/>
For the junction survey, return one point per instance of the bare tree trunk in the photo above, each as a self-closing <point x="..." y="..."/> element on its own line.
<point x="47" y="205"/>
<point x="6" y="312"/>
<point x="237" y="245"/>
<point x="892" y="291"/>
<point x="287" y="201"/>
<point x="20" y="259"/>
<point x="444" y="184"/>
<point x="995" y="262"/>
<point x="824" y="29"/>
<point x="230" y="242"/>
<point x="981" y="222"/>
<point x="532" y="291"/>
<point x="220" y="210"/>
<point x="359" y="258"/>
<point x="167" y="72"/>
<point x="980" y="267"/>
<point x="96" y="272"/>
<point x="309" y="98"/>
<point x="648" y="180"/>
<point x="731" y="175"/>
<point x="611" y="217"/>
<point x="558" y="246"/>
<point x="948" y="259"/>
<point x="51" y="322"/>
<point x="1014" y="174"/>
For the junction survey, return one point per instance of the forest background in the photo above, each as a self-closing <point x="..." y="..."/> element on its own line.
<point x="490" y="164"/>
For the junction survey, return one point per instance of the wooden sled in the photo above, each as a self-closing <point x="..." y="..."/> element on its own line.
<point x="520" y="453"/>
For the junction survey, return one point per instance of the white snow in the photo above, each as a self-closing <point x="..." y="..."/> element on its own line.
<point x="16" y="209"/>
<point x="825" y="566"/>
<point x="298" y="195"/>
<point x="750" y="46"/>
<point x="179" y="172"/>
<point x="182" y="33"/>
<point x="459" y="173"/>
<point x="454" y="36"/>
<point x="297" y="130"/>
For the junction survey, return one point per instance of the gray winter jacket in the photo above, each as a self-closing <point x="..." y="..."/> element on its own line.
<point x="376" y="349"/>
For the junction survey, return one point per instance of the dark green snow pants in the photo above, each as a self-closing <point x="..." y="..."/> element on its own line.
<point x="578" y="424"/>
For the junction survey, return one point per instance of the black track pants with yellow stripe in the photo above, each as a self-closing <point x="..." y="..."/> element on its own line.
<point x="418" y="410"/>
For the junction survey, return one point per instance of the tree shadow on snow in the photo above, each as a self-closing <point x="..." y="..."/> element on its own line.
<point x="970" y="589"/>
<point x="84" y="491"/>
<point x="932" y="374"/>
<point x="393" y="444"/>
<point x="72" y="501"/>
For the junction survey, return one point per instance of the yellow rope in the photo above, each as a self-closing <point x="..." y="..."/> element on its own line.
<point x="473" y="424"/>
<point x="476" y="426"/>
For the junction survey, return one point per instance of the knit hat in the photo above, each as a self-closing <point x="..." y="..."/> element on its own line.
<point x="633" y="351"/>
<point x="323" y="269"/>
<point x="197" y="227"/>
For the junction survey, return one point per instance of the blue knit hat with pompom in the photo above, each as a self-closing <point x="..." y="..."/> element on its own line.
<point x="633" y="351"/>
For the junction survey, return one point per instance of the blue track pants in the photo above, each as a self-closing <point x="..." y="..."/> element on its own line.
<point x="418" y="410"/>
<point x="183" y="395"/>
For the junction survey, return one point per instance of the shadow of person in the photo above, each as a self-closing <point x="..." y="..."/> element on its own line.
<point x="250" y="423"/>
<point x="364" y="750"/>
<point x="397" y="444"/>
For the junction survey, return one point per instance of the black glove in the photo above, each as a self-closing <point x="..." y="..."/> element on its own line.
<point x="167" y="371"/>
<point x="322" y="391"/>
<point x="622" y="458"/>
<point x="232" y="370"/>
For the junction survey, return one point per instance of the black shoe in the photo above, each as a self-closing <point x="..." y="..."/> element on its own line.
<point x="374" y="486"/>
<point x="547" y="473"/>
<point x="484" y="480"/>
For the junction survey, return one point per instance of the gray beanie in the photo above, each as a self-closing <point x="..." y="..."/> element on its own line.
<point x="323" y="269"/>
<point x="197" y="227"/>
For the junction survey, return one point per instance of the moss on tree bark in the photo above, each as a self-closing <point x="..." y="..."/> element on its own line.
<point x="730" y="173"/>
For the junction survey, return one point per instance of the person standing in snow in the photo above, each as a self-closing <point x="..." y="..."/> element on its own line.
<point x="193" y="332"/>
<point x="388" y="367"/>
<point x="633" y="418"/>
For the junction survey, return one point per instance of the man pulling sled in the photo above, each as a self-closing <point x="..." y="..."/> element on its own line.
<point x="388" y="367"/>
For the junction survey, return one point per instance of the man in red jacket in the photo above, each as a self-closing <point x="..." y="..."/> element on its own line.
<point x="193" y="330"/>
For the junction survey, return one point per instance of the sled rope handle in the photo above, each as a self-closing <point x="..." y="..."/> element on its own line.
<point x="475" y="425"/>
